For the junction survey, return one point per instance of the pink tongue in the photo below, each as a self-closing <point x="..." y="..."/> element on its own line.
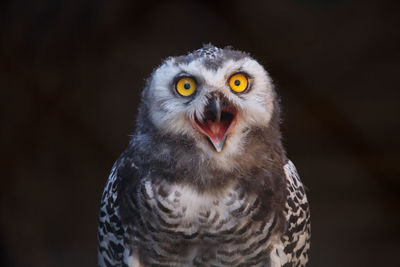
<point x="215" y="130"/>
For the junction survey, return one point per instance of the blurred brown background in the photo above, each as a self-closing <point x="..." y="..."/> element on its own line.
<point x="71" y="73"/>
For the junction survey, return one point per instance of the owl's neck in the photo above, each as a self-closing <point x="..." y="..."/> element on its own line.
<point x="178" y="159"/>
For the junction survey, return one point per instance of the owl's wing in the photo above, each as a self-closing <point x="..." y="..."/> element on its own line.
<point x="296" y="240"/>
<point x="111" y="231"/>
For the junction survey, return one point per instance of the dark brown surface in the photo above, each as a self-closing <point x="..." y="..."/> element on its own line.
<point x="71" y="73"/>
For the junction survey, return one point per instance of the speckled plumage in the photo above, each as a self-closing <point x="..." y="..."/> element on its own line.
<point x="172" y="200"/>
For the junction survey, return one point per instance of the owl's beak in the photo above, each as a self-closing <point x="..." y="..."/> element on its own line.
<point x="218" y="120"/>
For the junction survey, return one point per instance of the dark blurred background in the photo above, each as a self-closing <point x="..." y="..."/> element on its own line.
<point x="71" y="73"/>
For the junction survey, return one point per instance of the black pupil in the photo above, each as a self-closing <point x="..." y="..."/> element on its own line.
<point x="237" y="82"/>
<point x="187" y="86"/>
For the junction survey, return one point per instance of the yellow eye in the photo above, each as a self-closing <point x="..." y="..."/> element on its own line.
<point x="238" y="82"/>
<point x="186" y="86"/>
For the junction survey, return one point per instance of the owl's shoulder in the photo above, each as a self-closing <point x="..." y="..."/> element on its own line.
<point x="295" y="242"/>
<point x="111" y="230"/>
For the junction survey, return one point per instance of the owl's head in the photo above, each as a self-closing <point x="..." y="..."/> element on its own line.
<point x="213" y="96"/>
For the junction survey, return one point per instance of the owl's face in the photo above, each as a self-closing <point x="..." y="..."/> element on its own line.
<point x="212" y="95"/>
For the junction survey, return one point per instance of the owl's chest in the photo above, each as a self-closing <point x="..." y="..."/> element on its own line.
<point x="191" y="228"/>
<point x="193" y="215"/>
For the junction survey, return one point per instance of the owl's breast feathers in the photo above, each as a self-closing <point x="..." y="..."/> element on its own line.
<point x="150" y="220"/>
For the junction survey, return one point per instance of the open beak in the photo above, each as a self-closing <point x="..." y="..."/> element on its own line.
<point x="218" y="120"/>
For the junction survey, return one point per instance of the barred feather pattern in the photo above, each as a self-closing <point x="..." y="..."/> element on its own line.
<point x="110" y="230"/>
<point x="295" y="242"/>
<point x="173" y="225"/>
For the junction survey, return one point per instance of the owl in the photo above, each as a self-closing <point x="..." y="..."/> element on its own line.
<point x="205" y="180"/>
